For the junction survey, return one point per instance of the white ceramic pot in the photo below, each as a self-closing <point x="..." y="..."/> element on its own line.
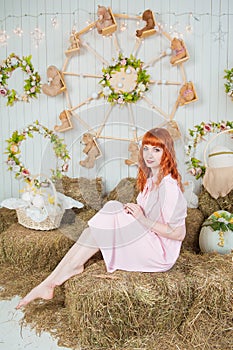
<point x="209" y="239"/>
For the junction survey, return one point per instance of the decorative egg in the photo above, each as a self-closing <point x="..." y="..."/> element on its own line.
<point x="220" y="157"/>
<point x="215" y="241"/>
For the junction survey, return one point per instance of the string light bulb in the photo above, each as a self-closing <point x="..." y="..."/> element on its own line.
<point x="189" y="28"/>
<point x="37" y="36"/>
<point x="54" y="21"/>
<point x="3" y="37"/>
<point x="18" y="31"/>
<point x="123" y="27"/>
<point x="88" y="22"/>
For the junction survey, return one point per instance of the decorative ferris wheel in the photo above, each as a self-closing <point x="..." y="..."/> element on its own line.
<point x="122" y="82"/>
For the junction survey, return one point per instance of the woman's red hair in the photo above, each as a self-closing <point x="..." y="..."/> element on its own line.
<point x="161" y="138"/>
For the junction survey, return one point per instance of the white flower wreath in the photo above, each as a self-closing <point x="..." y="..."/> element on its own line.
<point x="127" y="65"/>
<point x="13" y="151"/>
<point x="32" y="85"/>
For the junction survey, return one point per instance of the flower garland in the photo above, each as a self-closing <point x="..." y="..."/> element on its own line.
<point x="13" y="151"/>
<point x="123" y="97"/>
<point x="194" y="165"/>
<point x="221" y="221"/>
<point x="32" y="85"/>
<point x="229" y="84"/>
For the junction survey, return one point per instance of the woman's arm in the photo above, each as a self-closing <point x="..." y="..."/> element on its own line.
<point x="164" y="230"/>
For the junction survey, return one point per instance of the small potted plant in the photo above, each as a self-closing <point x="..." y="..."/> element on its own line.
<point x="216" y="234"/>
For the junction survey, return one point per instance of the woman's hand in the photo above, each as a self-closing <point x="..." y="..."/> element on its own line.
<point x="134" y="209"/>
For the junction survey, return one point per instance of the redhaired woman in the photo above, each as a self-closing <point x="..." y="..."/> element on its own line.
<point x="144" y="236"/>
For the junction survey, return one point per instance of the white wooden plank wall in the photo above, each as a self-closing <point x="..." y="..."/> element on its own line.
<point x="210" y="45"/>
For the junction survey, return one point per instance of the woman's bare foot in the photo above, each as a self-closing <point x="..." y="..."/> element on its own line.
<point x="43" y="291"/>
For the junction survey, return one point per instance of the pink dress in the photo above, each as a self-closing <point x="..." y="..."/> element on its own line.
<point x="126" y="244"/>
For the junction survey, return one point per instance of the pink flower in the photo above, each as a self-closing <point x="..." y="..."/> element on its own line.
<point x="25" y="172"/>
<point x="120" y="100"/>
<point x="11" y="162"/>
<point x="198" y="171"/>
<point x="33" y="89"/>
<point x="123" y="62"/>
<point x="222" y="126"/>
<point x="207" y="127"/>
<point x="65" y="167"/>
<point x="3" y="92"/>
<point x="107" y="76"/>
<point x="192" y="171"/>
<point x="28" y="70"/>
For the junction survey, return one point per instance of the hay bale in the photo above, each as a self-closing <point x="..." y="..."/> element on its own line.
<point x="87" y="191"/>
<point x="208" y="205"/>
<point x="7" y="217"/>
<point x="40" y="250"/>
<point x="126" y="191"/>
<point x="15" y="281"/>
<point x="209" y="320"/>
<point x="74" y="230"/>
<point x="109" y="310"/>
<point x="32" y="249"/>
<point x="162" y="341"/>
<point x="2" y="253"/>
<point x="226" y="203"/>
<point x="192" y="306"/>
<point x="193" y="223"/>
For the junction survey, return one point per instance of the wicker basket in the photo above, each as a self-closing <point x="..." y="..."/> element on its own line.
<point x="50" y="223"/>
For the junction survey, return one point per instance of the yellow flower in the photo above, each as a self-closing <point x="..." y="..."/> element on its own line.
<point x="216" y="214"/>
<point x="231" y="221"/>
<point x="51" y="199"/>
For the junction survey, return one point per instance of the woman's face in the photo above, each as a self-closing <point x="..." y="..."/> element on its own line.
<point x="152" y="156"/>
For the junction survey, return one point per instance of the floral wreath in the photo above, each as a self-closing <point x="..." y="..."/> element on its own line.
<point x="229" y="84"/>
<point x="32" y="85"/>
<point x="195" y="166"/>
<point x="123" y="97"/>
<point x="13" y="151"/>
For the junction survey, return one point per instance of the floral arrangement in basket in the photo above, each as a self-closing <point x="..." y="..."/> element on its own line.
<point x="220" y="221"/>
<point x="13" y="151"/>
<point x="194" y="165"/>
<point x="127" y="65"/>
<point x="32" y="86"/>
<point x="229" y="84"/>
<point x="40" y="206"/>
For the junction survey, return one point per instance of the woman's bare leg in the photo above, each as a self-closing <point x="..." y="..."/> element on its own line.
<point x="71" y="265"/>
